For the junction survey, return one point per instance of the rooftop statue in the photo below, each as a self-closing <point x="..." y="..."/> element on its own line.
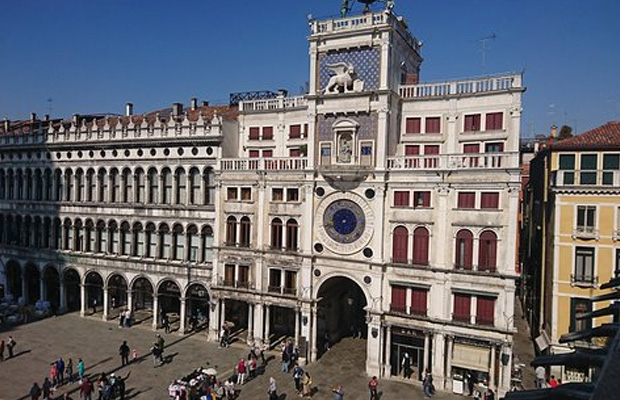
<point x="347" y="6"/>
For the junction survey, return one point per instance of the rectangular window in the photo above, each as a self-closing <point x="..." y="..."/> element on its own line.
<point x="421" y="199"/>
<point x="294" y="132"/>
<point x="254" y="133"/>
<point x="253" y="154"/>
<point x="462" y="304"/>
<point x="292" y="194"/>
<point x="326" y="153"/>
<point x="231" y="193"/>
<point x="246" y="194"/>
<point x="567" y="166"/>
<point x="290" y="282"/>
<point x="611" y="163"/>
<point x="485" y="310"/>
<point x="494" y="121"/>
<point x="584" y="265"/>
<point x="399" y="299"/>
<point x="432" y="125"/>
<point x="494" y="147"/>
<point x="586" y="218"/>
<point x="466" y="200"/>
<point x="412" y="125"/>
<point x="366" y="153"/>
<point x="294" y="152"/>
<point x="412" y="150"/>
<point x="275" y="280"/>
<point x="472" y="123"/>
<point x="580" y="306"/>
<point x="267" y="153"/>
<point x="267" y="132"/>
<point x="277" y="194"/>
<point x="243" y="280"/>
<point x="418" y="301"/>
<point x="401" y="198"/>
<point x="587" y="175"/>
<point x="229" y="275"/>
<point x="431" y="162"/>
<point x="489" y="200"/>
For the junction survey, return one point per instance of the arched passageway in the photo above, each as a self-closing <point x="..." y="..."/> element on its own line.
<point x="93" y="287"/>
<point x="13" y="281"/>
<point x="117" y="295"/>
<point x="142" y="300"/>
<point x="169" y="300"/>
<point x="72" y="289"/>
<point x="197" y="306"/>
<point x="341" y="312"/>
<point x="33" y="284"/>
<point x="52" y="287"/>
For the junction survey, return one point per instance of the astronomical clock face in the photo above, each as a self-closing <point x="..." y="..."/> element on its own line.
<point x="347" y="223"/>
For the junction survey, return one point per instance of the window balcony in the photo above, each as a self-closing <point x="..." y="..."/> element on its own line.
<point x="413" y="311"/>
<point x="586" y="232"/>
<point x="282" y="290"/>
<point x="484" y="321"/>
<point x="584" y="280"/>
<point x="463" y="318"/>
<point x="602" y="178"/>
<point x="475" y="268"/>
<point x="236" y="284"/>
<point x="398" y="308"/>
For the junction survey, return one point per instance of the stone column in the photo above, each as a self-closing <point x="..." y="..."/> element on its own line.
<point x="313" y="334"/>
<point x="106" y="303"/>
<point x="387" y="367"/>
<point x="182" y="317"/>
<point x="250" y="321"/>
<point x="82" y="300"/>
<point x="506" y="371"/>
<point x="296" y="326"/>
<point x="439" y="348"/>
<point x="42" y="288"/>
<point x="267" y="324"/>
<point x="155" y="321"/>
<point x="492" y="381"/>
<point x="24" y="286"/>
<point x="259" y="333"/>
<point x="427" y="351"/>
<point x="373" y="345"/>
<point x="223" y="312"/>
<point x="175" y="188"/>
<point x="448" y="373"/>
<point x="130" y="300"/>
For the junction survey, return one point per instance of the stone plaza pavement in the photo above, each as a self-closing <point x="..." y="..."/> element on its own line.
<point x="97" y="343"/>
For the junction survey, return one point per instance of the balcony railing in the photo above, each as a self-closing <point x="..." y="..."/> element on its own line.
<point x="585" y="232"/>
<point x="461" y="318"/>
<point x="403" y="309"/>
<point x="287" y="291"/>
<point x="465" y="161"/>
<point x="409" y="263"/>
<point x="263" y="164"/>
<point x="485" y="321"/>
<point x="475" y="268"/>
<point x="236" y="284"/>
<point x="586" y="178"/>
<point x="279" y="103"/>
<point x="461" y="88"/>
<point x="585" y="280"/>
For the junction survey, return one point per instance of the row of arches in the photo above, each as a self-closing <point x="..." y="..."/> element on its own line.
<point x="417" y="244"/>
<point x="283" y="236"/>
<point x="110" y="185"/>
<point x="176" y="241"/>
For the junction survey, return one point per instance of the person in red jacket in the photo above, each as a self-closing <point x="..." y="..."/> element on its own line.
<point x="86" y="389"/>
<point x="372" y="387"/>
<point x="241" y="370"/>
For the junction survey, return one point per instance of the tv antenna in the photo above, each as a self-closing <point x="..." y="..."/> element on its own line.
<point x="484" y="47"/>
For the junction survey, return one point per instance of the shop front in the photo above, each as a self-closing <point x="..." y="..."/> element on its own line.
<point x="472" y="357"/>
<point x="407" y="353"/>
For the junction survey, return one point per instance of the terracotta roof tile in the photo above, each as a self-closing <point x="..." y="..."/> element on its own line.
<point x="603" y="137"/>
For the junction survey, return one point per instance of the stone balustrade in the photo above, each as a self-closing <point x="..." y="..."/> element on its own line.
<point x="263" y="164"/>
<point x="466" y="87"/>
<point x="279" y="103"/>
<point x="455" y="161"/>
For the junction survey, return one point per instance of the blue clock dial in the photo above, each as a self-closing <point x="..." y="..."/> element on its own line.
<point x="344" y="221"/>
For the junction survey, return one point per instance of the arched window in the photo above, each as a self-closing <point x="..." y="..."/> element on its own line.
<point x="464" y="248"/>
<point x="103" y="185"/>
<point x="115" y="184"/>
<point x="400" y="238"/>
<point x="59" y="184"/>
<point x="79" y="239"/>
<point x="57" y="234"/>
<point x="2" y="185"/>
<point x="102" y="240"/>
<point x="151" y="241"/>
<point x="29" y="181"/>
<point x="90" y="238"/>
<point x="153" y="186"/>
<point x="420" y="246"/>
<point x="167" y="182"/>
<point x="231" y="231"/>
<point x="181" y="186"/>
<point x="69" y="185"/>
<point x="209" y="186"/>
<point x="194" y="190"/>
<point x="17" y="231"/>
<point x="165" y="242"/>
<point x="79" y="184"/>
<point x="125" y="240"/>
<point x="244" y="232"/>
<point x="138" y="240"/>
<point x="20" y="185"/>
<point x="207" y="244"/>
<point x="127" y="186"/>
<point x="140" y="186"/>
<point x="178" y="243"/>
<point x="27" y="231"/>
<point x="292" y="235"/>
<point x="10" y="186"/>
<point x="276" y="234"/>
<point x="487" y="251"/>
<point x="91" y="185"/>
<point x="68" y="235"/>
<point x="36" y="233"/>
<point x="47" y="233"/>
<point x="194" y="243"/>
<point x="38" y="184"/>
<point x="113" y="235"/>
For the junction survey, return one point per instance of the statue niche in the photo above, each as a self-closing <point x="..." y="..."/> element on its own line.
<point x="344" y="79"/>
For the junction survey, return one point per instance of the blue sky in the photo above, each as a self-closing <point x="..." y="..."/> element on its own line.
<point x="93" y="56"/>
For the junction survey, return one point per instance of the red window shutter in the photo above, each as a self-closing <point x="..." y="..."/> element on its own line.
<point x="487" y="251"/>
<point x="464" y="249"/>
<point x="472" y="123"/>
<point x="418" y="301"/>
<point x="412" y="125"/>
<point x="267" y="132"/>
<point x="432" y="125"/>
<point x="267" y="153"/>
<point x="489" y="200"/>
<point x="494" y="121"/>
<point x="399" y="302"/>
<point x="471" y="148"/>
<point x="412" y="150"/>
<point x="254" y="133"/>
<point x="401" y="198"/>
<point x="485" y="310"/>
<point x="431" y="149"/>
<point x="462" y="306"/>
<point x="253" y="153"/>
<point x="295" y="131"/>
<point x="420" y="246"/>
<point x="399" y="245"/>
<point x="294" y="153"/>
<point x="466" y="200"/>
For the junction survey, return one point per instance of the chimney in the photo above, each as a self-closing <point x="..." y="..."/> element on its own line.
<point x="33" y="117"/>
<point x="47" y="117"/>
<point x="76" y="119"/>
<point x="554" y="132"/>
<point x="7" y="124"/>
<point x="194" y="103"/>
<point x="177" y="109"/>
<point x="128" y="109"/>
<point x="205" y="104"/>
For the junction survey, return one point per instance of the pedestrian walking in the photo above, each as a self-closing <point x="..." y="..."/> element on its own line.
<point x="53" y="374"/>
<point x="121" y="319"/>
<point x="60" y="366"/>
<point x="241" y="370"/>
<point x="124" y="351"/>
<point x="306" y="385"/>
<point x="134" y="355"/>
<point x="156" y="352"/>
<point x="94" y="305"/>
<point x="541" y="375"/>
<point x="46" y="388"/>
<point x="298" y="372"/>
<point x="81" y="369"/>
<point x="229" y="388"/>
<point x="35" y="392"/>
<point x="70" y="370"/>
<point x="489" y="395"/>
<point x="224" y="336"/>
<point x="373" y="384"/>
<point x="338" y="393"/>
<point x="272" y="390"/>
<point x="406" y="364"/>
<point x="427" y="384"/>
<point x="471" y="381"/>
<point x="10" y="345"/>
<point x="1" y="350"/>
<point x="86" y="389"/>
<point x="165" y="321"/>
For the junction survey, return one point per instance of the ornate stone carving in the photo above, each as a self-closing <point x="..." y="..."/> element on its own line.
<point x="344" y="79"/>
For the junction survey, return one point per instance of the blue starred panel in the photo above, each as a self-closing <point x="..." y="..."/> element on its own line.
<point x="366" y="62"/>
<point x="367" y="129"/>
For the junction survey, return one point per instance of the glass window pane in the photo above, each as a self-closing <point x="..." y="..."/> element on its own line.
<point x="567" y="162"/>
<point x="588" y="161"/>
<point x="611" y="161"/>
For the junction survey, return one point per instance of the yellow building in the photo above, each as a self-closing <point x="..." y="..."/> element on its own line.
<point x="574" y="235"/>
